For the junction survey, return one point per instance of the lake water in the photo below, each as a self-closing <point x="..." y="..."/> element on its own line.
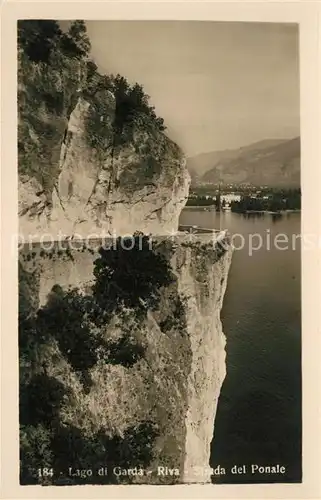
<point x="259" y="412"/>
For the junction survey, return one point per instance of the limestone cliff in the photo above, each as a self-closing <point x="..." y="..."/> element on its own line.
<point x="121" y="348"/>
<point x="175" y="384"/>
<point x="93" y="156"/>
<point x="113" y="196"/>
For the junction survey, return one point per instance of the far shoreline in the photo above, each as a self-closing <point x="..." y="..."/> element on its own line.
<point x="212" y="208"/>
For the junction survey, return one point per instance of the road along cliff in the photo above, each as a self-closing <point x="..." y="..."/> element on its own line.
<point x="121" y="348"/>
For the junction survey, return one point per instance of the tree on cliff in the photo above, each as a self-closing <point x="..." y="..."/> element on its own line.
<point x="72" y="327"/>
<point x="54" y="69"/>
<point x="51" y="70"/>
<point x="131" y="101"/>
<point x="78" y="33"/>
<point x="37" y="38"/>
<point x="130" y="274"/>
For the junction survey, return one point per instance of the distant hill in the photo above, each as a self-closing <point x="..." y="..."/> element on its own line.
<point x="268" y="162"/>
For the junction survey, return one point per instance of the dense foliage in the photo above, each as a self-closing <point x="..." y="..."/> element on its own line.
<point x="40" y="38"/>
<point x="53" y="455"/>
<point x="276" y="201"/>
<point x="51" y="67"/>
<point x="130" y="274"/>
<point x="73" y="327"/>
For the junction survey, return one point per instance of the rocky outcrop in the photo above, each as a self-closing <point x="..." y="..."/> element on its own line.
<point x="93" y="158"/>
<point x="203" y="279"/>
<point x="122" y="353"/>
<point x="142" y="185"/>
<point x="176" y="384"/>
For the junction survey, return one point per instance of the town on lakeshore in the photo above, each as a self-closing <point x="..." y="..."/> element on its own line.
<point x="158" y="252"/>
<point x="245" y="198"/>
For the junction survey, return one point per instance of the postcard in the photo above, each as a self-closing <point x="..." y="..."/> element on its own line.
<point x="159" y="250"/>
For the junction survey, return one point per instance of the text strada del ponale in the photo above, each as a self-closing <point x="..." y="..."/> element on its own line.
<point x="165" y="471"/>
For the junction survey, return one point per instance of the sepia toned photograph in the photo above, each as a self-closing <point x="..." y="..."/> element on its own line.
<point x="159" y="192"/>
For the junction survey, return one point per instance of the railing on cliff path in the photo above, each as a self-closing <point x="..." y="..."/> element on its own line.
<point x="197" y="229"/>
<point x="184" y="233"/>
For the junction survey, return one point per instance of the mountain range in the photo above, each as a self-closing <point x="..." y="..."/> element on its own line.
<point x="270" y="162"/>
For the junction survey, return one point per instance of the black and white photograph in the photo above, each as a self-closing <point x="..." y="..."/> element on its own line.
<point x="159" y="190"/>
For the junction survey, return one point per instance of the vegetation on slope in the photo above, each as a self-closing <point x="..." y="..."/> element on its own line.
<point x="49" y="67"/>
<point x="54" y="70"/>
<point x="72" y="330"/>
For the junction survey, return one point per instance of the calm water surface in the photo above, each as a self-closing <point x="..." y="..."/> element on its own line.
<point x="259" y="413"/>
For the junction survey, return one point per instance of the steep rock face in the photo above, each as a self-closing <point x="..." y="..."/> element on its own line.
<point x="121" y="354"/>
<point x="176" y="383"/>
<point x="203" y="278"/>
<point x="129" y="189"/>
<point x="94" y="189"/>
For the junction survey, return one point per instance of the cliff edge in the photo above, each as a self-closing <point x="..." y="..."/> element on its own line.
<point x="157" y="352"/>
<point x="121" y="349"/>
<point x="93" y="156"/>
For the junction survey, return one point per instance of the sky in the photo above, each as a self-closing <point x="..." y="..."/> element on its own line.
<point x="218" y="85"/>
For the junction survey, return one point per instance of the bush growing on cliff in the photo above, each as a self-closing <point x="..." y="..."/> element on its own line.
<point x="129" y="274"/>
<point x="111" y="124"/>
<point x="65" y="318"/>
<point x="76" y="322"/>
<point x="38" y="38"/>
<point x="73" y="327"/>
<point x="46" y="442"/>
<point x="125" y="351"/>
<point x="131" y="101"/>
<point x="51" y="69"/>
<point x="40" y="400"/>
<point x="75" y="43"/>
<point x="72" y="449"/>
<point x="64" y="446"/>
<point x="54" y="69"/>
<point x="134" y="448"/>
<point x="35" y="452"/>
<point x="130" y="277"/>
